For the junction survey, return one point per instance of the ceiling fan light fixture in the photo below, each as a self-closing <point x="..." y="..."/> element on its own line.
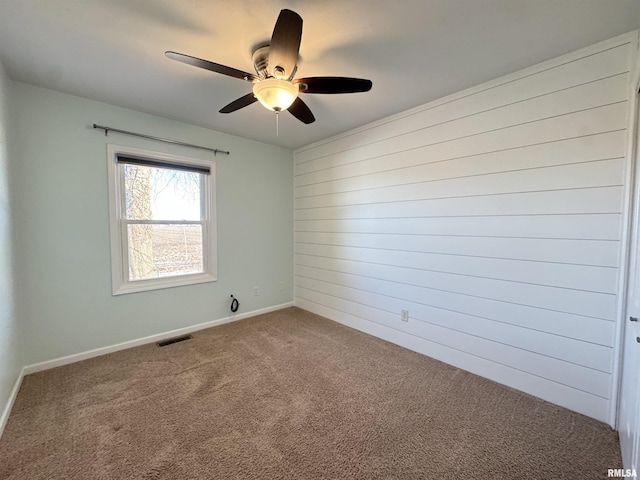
<point x="275" y="94"/>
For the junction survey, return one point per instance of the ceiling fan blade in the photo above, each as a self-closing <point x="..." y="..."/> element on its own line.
<point x="333" y="85"/>
<point x="214" y="67"/>
<point x="300" y="110"/>
<point x="285" y="44"/>
<point x="241" y="102"/>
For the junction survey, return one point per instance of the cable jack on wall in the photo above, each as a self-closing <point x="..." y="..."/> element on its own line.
<point x="234" y="304"/>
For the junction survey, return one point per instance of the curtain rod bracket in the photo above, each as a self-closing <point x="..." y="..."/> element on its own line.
<point x="158" y="139"/>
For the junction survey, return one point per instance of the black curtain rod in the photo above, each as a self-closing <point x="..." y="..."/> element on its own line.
<point x="166" y="140"/>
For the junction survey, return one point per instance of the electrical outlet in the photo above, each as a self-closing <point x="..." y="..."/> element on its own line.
<point x="256" y="291"/>
<point x="404" y="315"/>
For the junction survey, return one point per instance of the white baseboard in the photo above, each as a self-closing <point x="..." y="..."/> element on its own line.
<point x="12" y="398"/>
<point x="77" y="357"/>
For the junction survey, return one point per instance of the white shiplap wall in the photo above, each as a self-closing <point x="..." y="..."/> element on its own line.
<point x="495" y="216"/>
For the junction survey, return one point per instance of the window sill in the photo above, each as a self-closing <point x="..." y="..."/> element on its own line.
<point x="161" y="283"/>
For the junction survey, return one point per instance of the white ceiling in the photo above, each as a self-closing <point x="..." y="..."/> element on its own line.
<point x="414" y="51"/>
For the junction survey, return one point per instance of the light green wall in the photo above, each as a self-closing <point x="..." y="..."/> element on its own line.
<point x="10" y="340"/>
<point x="63" y="223"/>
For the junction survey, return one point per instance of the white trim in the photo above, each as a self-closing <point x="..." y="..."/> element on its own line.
<point x="627" y="233"/>
<point x="78" y="357"/>
<point x="630" y="275"/>
<point x="165" y="282"/>
<point x="12" y="398"/>
<point x="118" y="237"/>
<point x="634" y="132"/>
<point x="576" y="55"/>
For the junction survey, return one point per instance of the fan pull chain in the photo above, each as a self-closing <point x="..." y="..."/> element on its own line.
<point x="277" y="123"/>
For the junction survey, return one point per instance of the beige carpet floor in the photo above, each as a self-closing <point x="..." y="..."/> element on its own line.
<point x="290" y="395"/>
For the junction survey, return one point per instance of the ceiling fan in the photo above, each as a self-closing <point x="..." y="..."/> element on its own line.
<point x="276" y="64"/>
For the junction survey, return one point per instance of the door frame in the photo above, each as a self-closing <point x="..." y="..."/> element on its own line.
<point x="630" y="255"/>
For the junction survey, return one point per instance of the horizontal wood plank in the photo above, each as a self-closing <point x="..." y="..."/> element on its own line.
<point x="609" y="62"/>
<point x="586" y="329"/>
<point x="580" y="252"/>
<point x="563" y="275"/>
<point x="549" y="202"/>
<point x="587" y="226"/>
<point x="577" y="302"/>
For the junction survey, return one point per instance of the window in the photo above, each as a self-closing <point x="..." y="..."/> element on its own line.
<point x="163" y="231"/>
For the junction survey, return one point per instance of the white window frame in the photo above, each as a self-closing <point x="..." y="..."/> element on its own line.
<point x="118" y="225"/>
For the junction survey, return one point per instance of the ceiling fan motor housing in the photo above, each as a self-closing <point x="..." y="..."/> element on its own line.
<point x="260" y="60"/>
